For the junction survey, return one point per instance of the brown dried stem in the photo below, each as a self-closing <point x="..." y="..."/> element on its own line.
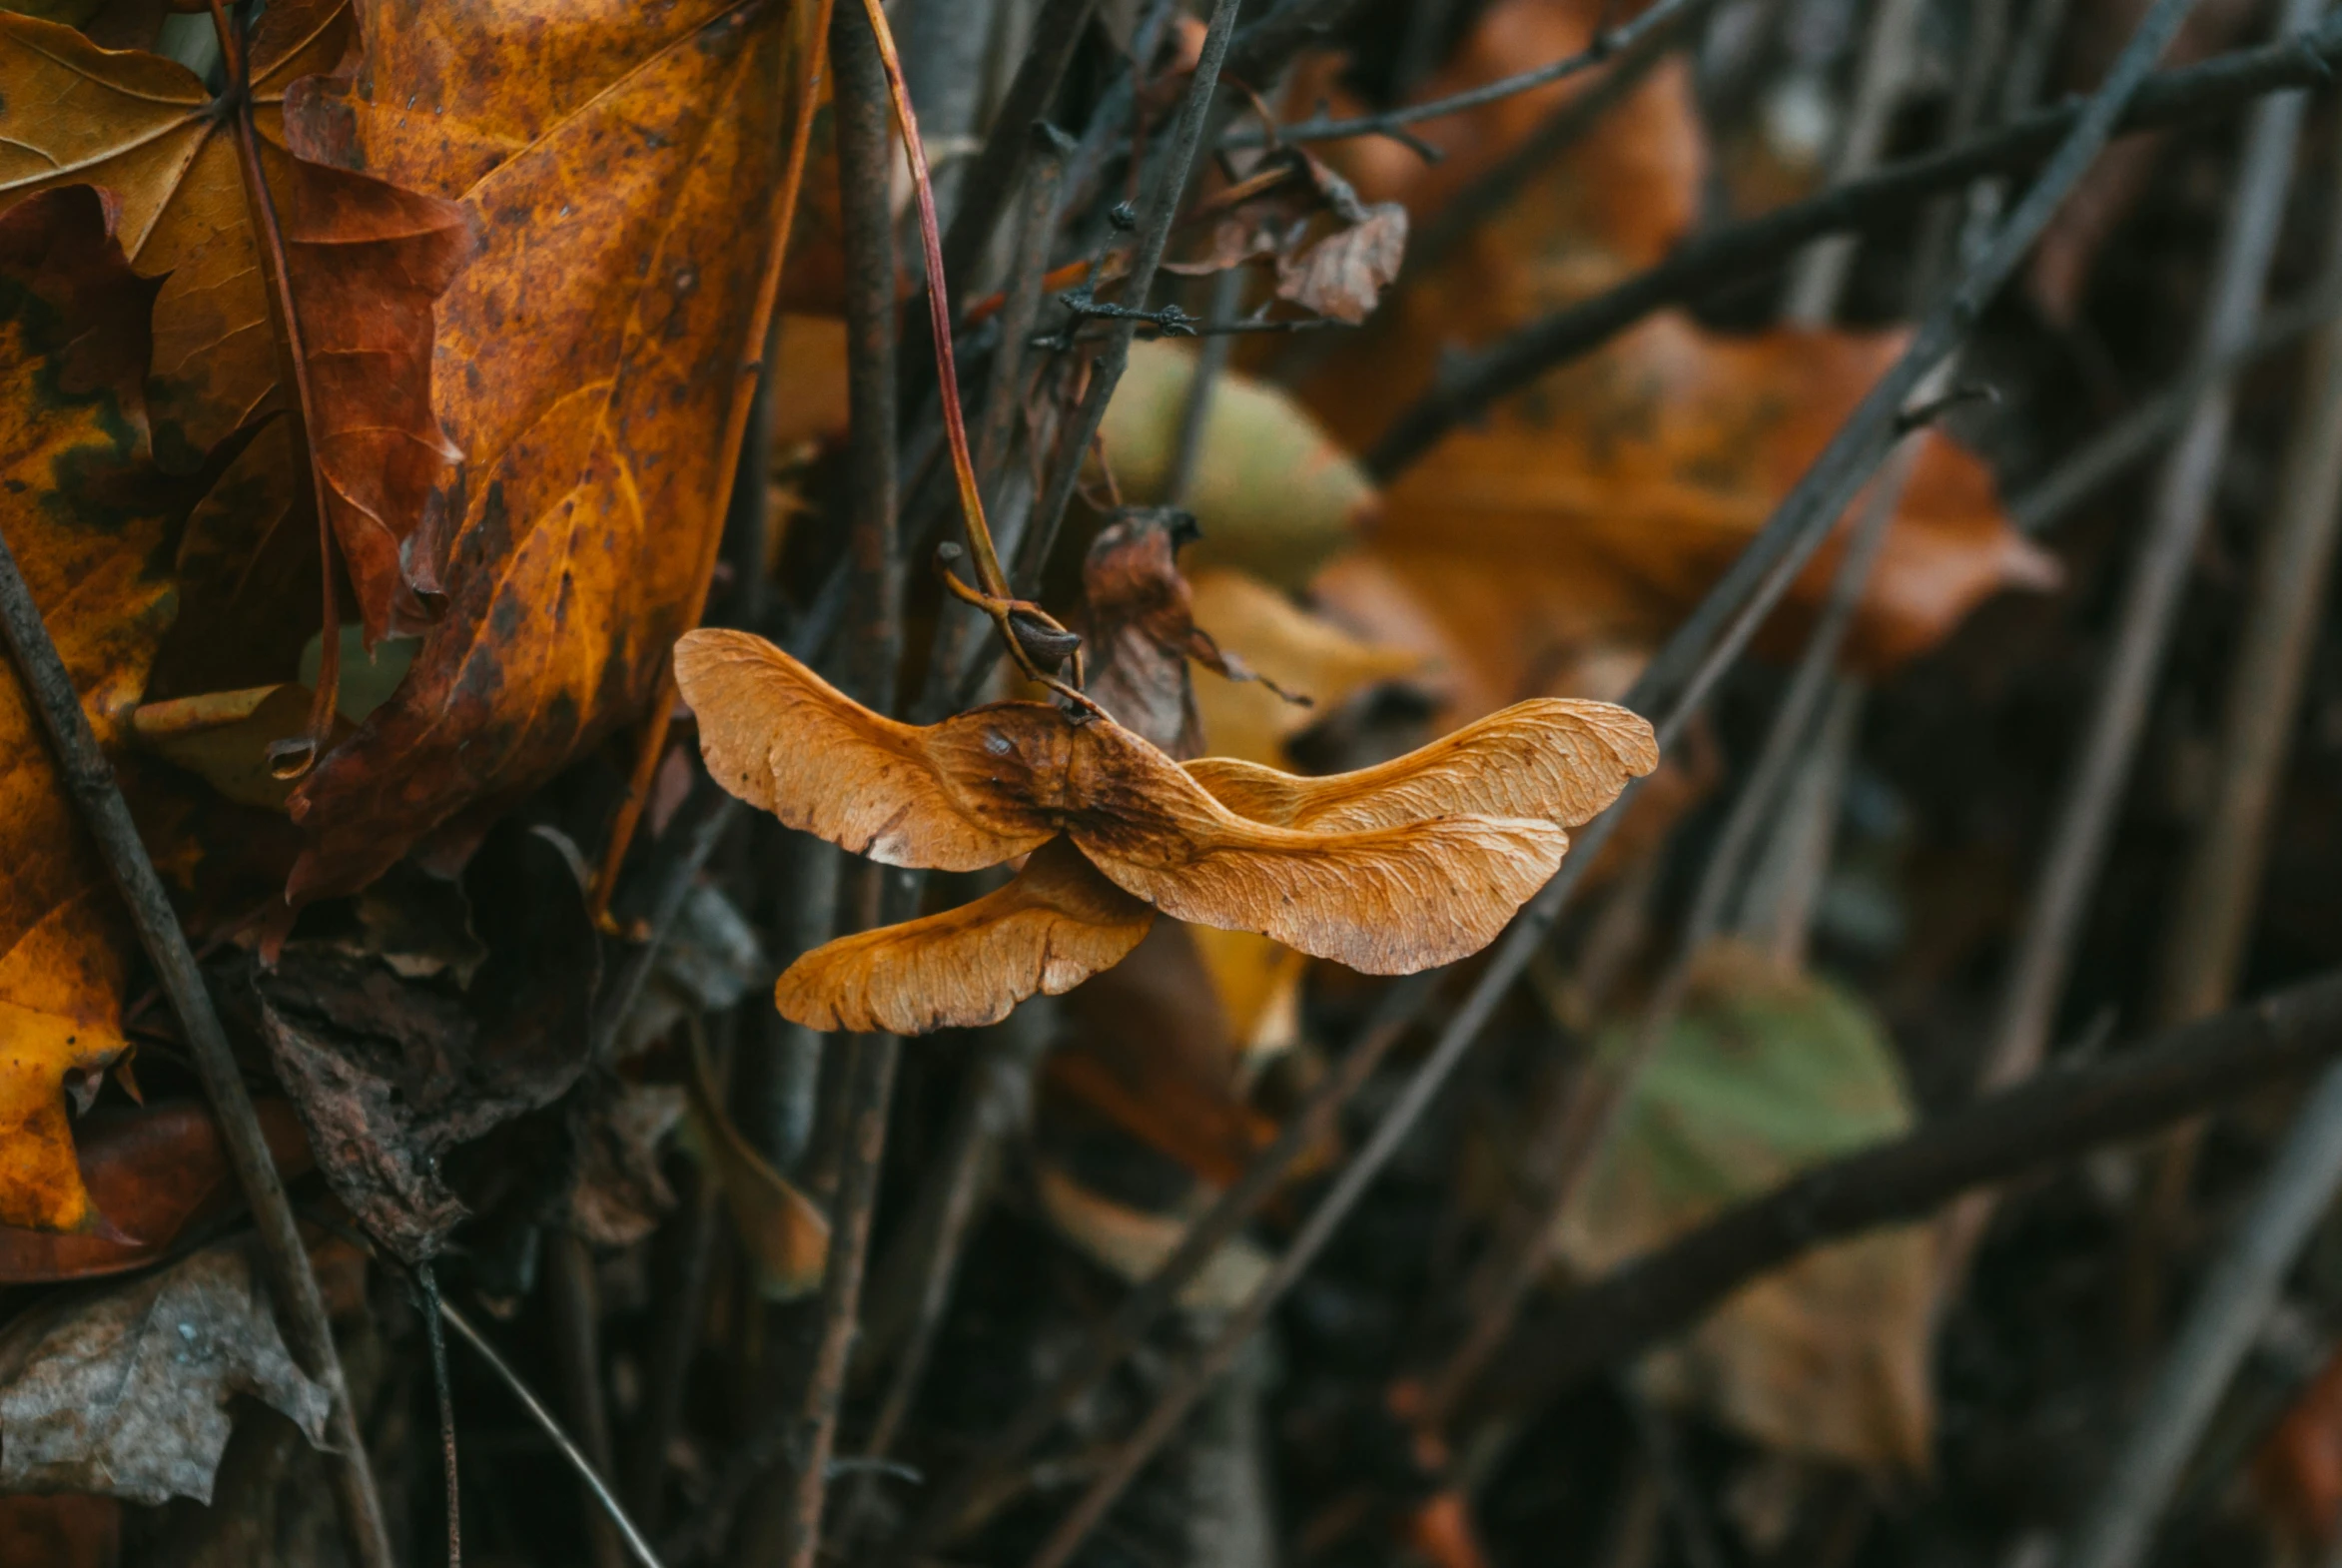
<point x="861" y="56"/>
<point x="288" y="759"/>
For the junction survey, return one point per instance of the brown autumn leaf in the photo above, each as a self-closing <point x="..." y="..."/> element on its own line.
<point x="1599" y="504"/>
<point x="73" y="349"/>
<point x="124" y="1393"/>
<point x="152" y="1170"/>
<point x="1405" y="888"/>
<point x="611" y="164"/>
<point x="1141" y="631"/>
<point x="391" y="1073"/>
<point x="365" y="259"/>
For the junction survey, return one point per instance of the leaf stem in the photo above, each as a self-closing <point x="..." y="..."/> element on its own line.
<point x="292" y="757"/>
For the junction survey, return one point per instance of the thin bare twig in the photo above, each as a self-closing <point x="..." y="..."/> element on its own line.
<point x="552" y="1428"/>
<point x="1139" y="1311"/>
<point x="89" y="779"/>
<point x="1728" y="256"/>
<point x="427" y="1285"/>
<point x="576" y="1313"/>
<point x="1155" y="228"/>
<point x="1817" y="278"/>
<point x="2184" y="502"/>
<point x="859" y="56"/>
<point x="2139" y="433"/>
<point x="992" y="1107"/>
<point x="2229" y="1310"/>
<point x="2205" y="941"/>
<point x="1607" y="45"/>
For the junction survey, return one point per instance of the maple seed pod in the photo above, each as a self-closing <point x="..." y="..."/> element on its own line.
<point x="1392" y="869"/>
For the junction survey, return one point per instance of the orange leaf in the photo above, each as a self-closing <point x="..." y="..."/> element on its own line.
<point x="73" y="441"/>
<point x="152" y="1172"/>
<point x="365" y="259"/>
<point x="610" y="154"/>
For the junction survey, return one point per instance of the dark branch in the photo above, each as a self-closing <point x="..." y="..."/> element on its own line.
<point x="2052" y="1118"/>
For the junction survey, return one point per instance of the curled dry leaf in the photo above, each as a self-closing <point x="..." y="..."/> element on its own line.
<point x="1274" y="493"/>
<point x="391" y="1075"/>
<point x="73" y="436"/>
<point x="1390" y="896"/>
<point x="1143" y="632"/>
<point x="126" y="1394"/>
<point x="611" y="155"/>
<point x="1057" y="923"/>
<point x="365" y="259"/>
<point x="785" y="1232"/>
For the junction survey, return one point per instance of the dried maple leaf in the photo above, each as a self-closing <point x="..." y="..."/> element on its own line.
<point x="365" y="261"/>
<point x="89" y="531"/>
<point x="125" y="1394"/>
<point x="611" y="155"/>
<point x="1418" y="874"/>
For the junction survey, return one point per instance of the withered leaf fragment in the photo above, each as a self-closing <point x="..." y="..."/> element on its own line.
<point x="619" y="163"/>
<point x="1388" y="896"/>
<point x="124" y="1393"/>
<point x="1143" y="630"/>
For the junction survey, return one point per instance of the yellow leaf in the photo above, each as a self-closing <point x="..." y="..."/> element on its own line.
<point x="88" y="528"/>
